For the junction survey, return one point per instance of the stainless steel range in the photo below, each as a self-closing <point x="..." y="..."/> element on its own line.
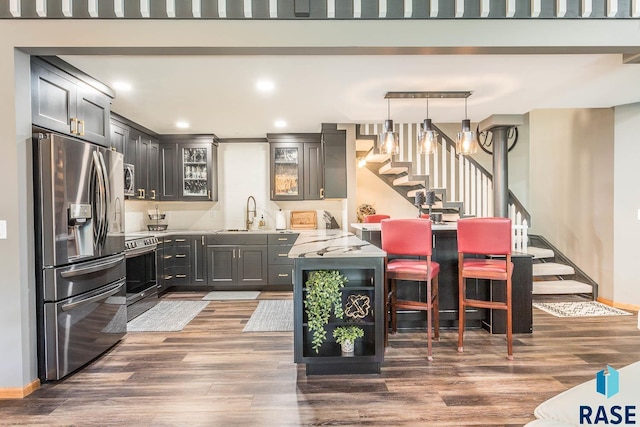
<point x="142" y="289"/>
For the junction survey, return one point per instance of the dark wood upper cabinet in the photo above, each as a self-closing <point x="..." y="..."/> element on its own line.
<point x="334" y="148"/>
<point x="296" y="171"/>
<point x="313" y="171"/>
<point x="308" y="166"/>
<point x="119" y="136"/>
<point x="63" y="103"/>
<point x="188" y="167"/>
<point x="141" y="149"/>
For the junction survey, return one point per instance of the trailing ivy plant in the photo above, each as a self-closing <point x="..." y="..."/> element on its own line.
<point x="324" y="296"/>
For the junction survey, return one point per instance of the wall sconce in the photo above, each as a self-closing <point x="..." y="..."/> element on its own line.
<point x="388" y="140"/>
<point x="427" y="137"/>
<point x="466" y="142"/>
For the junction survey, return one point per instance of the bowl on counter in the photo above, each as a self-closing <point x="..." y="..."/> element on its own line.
<point x="157" y="227"/>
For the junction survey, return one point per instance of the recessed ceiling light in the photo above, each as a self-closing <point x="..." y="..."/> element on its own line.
<point x="124" y="86"/>
<point x="265" y="85"/>
<point x="280" y="124"/>
<point x="182" y="125"/>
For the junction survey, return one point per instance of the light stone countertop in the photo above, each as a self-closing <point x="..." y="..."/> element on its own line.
<point x="333" y="244"/>
<point x="375" y="226"/>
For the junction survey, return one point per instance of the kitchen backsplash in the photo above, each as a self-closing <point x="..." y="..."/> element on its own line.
<point x="210" y="216"/>
<point x="243" y="171"/>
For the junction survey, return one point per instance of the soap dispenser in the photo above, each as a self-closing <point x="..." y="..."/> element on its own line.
<point x="262" y="223"/>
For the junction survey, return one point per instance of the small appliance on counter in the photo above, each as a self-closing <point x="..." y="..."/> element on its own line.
<point x="329" y="221"/>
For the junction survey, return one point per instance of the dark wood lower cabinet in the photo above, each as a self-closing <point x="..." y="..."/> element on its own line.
<point x="235" y="261"/>
<point x="226" y="261"/>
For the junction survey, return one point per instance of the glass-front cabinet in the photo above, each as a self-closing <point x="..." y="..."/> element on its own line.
<point x="188" y="168"/>
<point x="297" y="171"/>
<point x="286" y="172"/>
<point x="195" y="172"/>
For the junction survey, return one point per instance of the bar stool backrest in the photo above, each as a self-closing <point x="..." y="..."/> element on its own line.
<point x="484" y="236"/>
<point x="406" y="236"/>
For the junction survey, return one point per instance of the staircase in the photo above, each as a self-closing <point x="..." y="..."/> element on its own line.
<point x="555" y="274"/>
<point x="464" y="188"/>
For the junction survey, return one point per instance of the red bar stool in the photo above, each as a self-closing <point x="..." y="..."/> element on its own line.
<point x="374" y="218"/>
<point x="484" y="236"/>
<point x="410" y="237"/>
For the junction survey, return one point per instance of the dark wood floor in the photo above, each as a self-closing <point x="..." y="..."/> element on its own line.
<point x="213" y="374"/>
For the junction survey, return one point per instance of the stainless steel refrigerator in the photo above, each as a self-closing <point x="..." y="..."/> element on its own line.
<point x="79" y="216"/>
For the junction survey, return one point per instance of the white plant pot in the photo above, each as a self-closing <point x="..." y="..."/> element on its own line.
<point x="347" y="347"/>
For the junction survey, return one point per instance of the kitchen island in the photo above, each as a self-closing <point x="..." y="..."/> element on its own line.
<point x="362" y="263"/>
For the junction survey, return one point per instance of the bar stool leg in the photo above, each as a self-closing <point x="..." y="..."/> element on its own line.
<point x="461" y="309"/>
<point x="436" y="309"/>
<point x="429" y="320"/>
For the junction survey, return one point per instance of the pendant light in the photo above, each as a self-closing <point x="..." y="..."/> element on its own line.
<point x="427" y="137"/>
<point x="466" y="142"/>
<point x="388" y="140"/>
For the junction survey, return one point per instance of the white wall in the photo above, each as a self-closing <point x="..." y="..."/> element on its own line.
<point x="626" y="205"/>
<point x="571" y="187"/>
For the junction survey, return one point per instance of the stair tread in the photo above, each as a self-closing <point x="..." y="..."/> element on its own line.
<point x="407" y="181"/>
<point x="394" y="168"/>
<point x="551" y="269"/>
<point x="550" y="287"/>
<point x="540" y="252"/>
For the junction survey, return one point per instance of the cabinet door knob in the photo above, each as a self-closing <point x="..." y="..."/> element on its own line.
<point x="283" y="275"/>
<point x="209" y="194"/>
<point x="322" y="193"/>
<point x="153" y="194"/>
<point x="81" y="123"/>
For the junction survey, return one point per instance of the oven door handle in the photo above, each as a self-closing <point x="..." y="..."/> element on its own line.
<point x="139" y="251"/>
<point x="91" y="269"/>
<point x="111" y="291"/>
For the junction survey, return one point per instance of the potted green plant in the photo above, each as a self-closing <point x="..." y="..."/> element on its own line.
<point x="324" y="296"/>
<point x="346" y="337"/>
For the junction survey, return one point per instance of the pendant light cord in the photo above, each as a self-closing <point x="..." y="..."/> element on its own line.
<point x="388" y="108"/>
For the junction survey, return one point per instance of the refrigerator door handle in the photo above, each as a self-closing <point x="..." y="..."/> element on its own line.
<point x="111" y="291"/>
<point x="106" y="198"/>
<point x="92" y="269"/>
<point x="99" y="217"/>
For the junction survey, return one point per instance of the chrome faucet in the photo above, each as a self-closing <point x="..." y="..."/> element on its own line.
<point x="250" y="221"/>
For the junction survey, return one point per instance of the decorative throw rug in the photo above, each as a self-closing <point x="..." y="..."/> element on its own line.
<point x="230" y="295"/>
<point x="167" y="316"/>
<point x="271" y="316"/>
<point x="579" y="309"/>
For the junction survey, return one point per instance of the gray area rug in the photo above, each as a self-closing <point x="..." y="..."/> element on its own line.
<point x="167" y="316"/>
<point x="271" y="316"/>
<point x="230" y="295"/>
<point x="579" y="309"/>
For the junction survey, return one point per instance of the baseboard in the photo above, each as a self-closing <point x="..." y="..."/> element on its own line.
<point x="19" y="393"/>
<point x="621" y="306"/>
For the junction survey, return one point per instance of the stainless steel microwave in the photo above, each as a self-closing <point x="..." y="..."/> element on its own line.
<point x="129" y="180"/>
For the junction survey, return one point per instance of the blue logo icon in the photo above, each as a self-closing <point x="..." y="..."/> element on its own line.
<point x="608" y="382"/>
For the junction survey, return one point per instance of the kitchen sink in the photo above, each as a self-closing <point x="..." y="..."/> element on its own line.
<point x="227" y="230"/>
